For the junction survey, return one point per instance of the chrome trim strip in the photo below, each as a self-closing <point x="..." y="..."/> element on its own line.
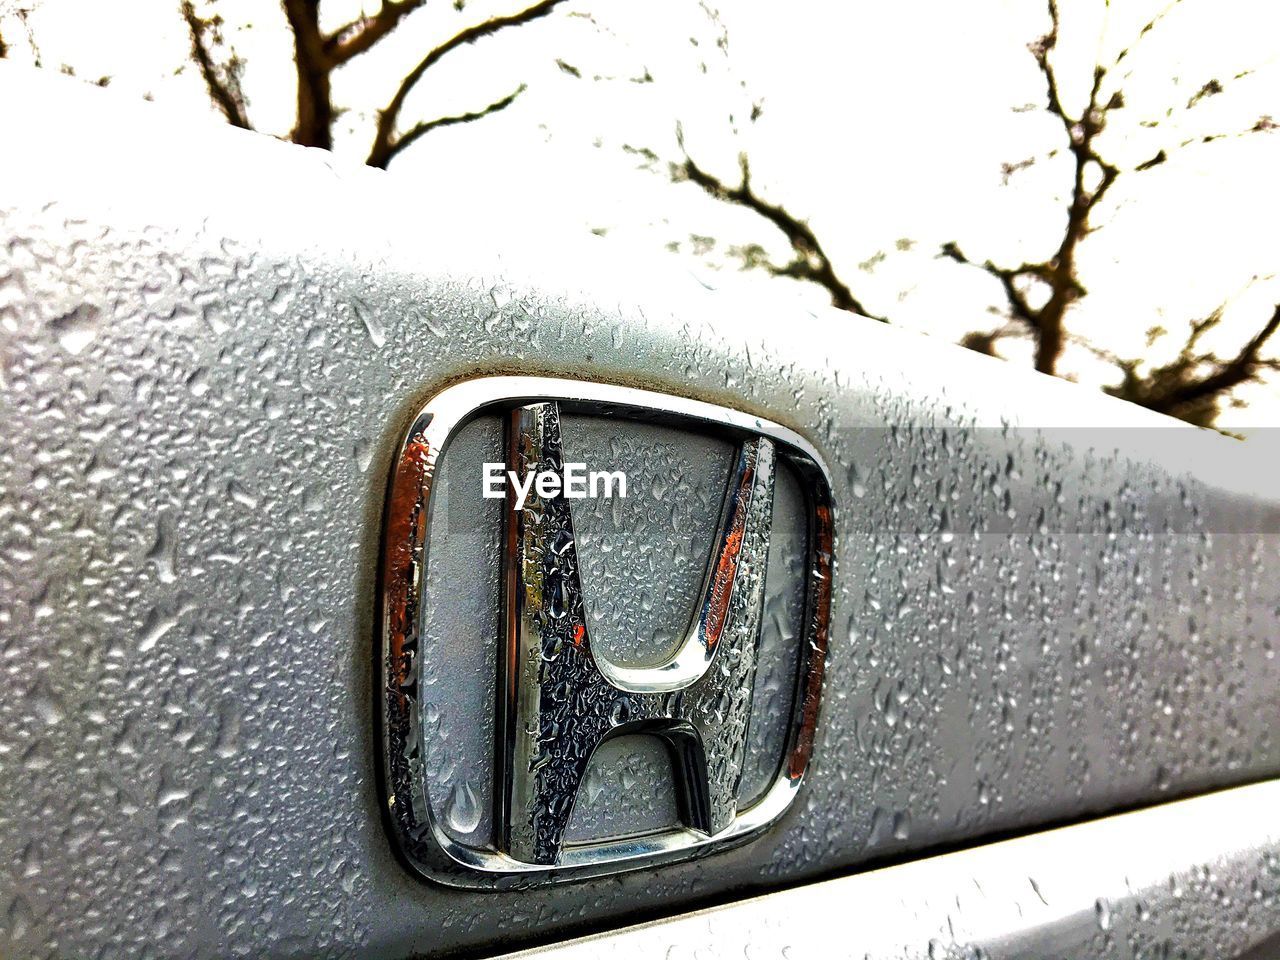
<point x="427" y="848"/>
<point x="1197" y="877"/>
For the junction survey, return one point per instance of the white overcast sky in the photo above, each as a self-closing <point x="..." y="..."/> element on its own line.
<point x="881" y="122"/>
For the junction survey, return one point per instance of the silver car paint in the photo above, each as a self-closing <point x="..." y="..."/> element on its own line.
<point x="204" y="378"/>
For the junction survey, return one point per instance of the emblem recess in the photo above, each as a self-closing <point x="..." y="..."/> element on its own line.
<point x="559" y="698"/>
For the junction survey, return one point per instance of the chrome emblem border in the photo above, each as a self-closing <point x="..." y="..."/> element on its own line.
<point x="425" y="847"/>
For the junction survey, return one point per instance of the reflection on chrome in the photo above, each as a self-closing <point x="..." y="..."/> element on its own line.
<point x="565" y="699"/>
<point x="559" y="699"/>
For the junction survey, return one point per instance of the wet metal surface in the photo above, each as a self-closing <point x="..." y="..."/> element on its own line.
<point x="1113" y="888"/>
<point x="203" y="393"/>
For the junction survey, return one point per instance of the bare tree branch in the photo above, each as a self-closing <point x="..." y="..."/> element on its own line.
<point x="384" y="143"/>
<point x="811" y="262"/>
<point x="316" y="57"/>
<point x="356" y="37"/>
<point x="1059" y="271"/>
<point x="1146" y="29"/>
<point x="1037" y="297"/>
<point x="313" y="125"/>
<point x="1093" y="176"/>
<point x="1193" y="384"/>
<point x="23" y="15"/>
<point x="1041" y="50"/>
<point x="420" y="129"/>
<point x="1020" y="308"/>
<point x="1211" y="88"/>
<point x="222" y="81"/>
<point x="984" y="341"/>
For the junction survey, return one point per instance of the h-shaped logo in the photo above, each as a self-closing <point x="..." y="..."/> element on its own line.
<point x="563" y="701"/>
<point x="559" y="697"/>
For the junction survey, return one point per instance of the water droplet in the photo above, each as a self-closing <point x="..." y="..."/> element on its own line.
<point x="163" y="550"/>
<point x="1103" y="911"/>
<point x="77" y="328"/>
<point x="157" y="626"/>
<point x="19" y="918"/>
<point x="372" y="325"/>
<point x="463" y="812"/>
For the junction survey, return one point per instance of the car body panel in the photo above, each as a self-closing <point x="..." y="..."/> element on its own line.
<point x="205" y="381"/>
